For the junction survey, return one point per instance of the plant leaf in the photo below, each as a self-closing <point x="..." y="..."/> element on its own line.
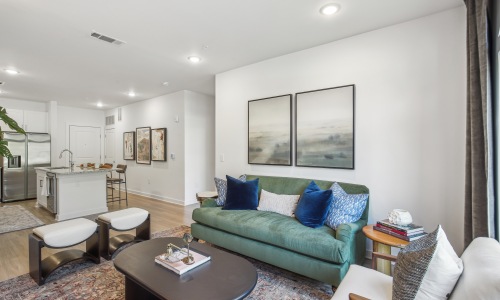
<point x="4" y="151"/>
<point x="9" y="121"/>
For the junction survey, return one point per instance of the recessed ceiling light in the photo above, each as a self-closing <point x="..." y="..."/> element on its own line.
<point x="99" y="104"/>
<point x="329" y="9"/>
<point x="194" y="59"/>
<point x="11" y="71"/>
<point x="131" y="94"/>
<point x="166" y="83"/>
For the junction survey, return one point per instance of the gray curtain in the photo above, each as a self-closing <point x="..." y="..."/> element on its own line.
<point x="479" y="185"/>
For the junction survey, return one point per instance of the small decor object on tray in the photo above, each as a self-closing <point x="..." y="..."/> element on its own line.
<point x="175" y="257"/>
<point x="408" y="232"/>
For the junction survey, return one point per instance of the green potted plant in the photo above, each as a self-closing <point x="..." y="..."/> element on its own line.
<point x="4" y="150"/>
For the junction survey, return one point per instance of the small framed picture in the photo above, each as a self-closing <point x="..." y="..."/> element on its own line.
<point x="129" y="145"/>
<point x="143" y="145"/>
<point x="159" y="144"/>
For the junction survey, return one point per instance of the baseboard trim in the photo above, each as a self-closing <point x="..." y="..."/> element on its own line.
<point x="158" y="197"/>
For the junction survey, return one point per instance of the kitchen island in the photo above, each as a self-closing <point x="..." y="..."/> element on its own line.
<point x="72" y="192"/>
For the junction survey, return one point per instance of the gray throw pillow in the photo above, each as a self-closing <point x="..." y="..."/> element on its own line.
<point x="221" y="186"/>
<point x="427" y="268"/>
<point x="411" y="265"/>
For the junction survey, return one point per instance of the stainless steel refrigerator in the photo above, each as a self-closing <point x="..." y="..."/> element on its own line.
<point x="18" y="175"/>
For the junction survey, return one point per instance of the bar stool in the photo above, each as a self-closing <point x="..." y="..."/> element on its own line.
<point x="121" y="179"/>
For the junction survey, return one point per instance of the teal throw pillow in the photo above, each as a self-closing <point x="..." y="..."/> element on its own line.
<point x="345" y="208"/>
<point x="242" y="195"/>
<point x="314" y="205"/>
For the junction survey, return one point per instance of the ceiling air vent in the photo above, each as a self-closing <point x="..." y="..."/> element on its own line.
<point x="105" y="38"/>
<point x="110" y="120"/>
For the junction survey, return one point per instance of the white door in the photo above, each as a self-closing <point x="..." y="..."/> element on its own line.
<point x="85" y="143"/>
<point x="109" y="140"/>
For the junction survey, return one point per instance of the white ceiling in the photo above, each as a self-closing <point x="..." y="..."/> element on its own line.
<point x="49" y="42"/>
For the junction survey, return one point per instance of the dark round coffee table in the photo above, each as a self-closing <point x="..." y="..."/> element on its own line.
<point x="226" y="276"/>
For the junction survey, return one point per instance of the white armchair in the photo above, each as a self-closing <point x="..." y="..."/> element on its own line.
<point x="480" y="278"/>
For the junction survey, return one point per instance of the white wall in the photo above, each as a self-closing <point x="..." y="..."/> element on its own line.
<point x="23" y="104"/>
<point x="176" y="180"/>
<point x="67" y="116"/>
<point x="410" y="115"/>
<point x="199" y="144"/>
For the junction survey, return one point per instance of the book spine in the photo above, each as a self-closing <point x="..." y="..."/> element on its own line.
<point x="386" y="231"/>
<point x="408" y="231"/>
<point x="392" y="229"/>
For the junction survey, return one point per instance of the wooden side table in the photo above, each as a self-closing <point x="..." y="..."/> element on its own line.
<point x="382" y="243"/>
<point x="206" y="195"/>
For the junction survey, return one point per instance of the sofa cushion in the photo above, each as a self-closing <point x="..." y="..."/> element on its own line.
<point x="278" y="230"/>
<point x="481" y="278"/>
<point x="241" y="194"/>
<point x="221" y="186"/>
<point x="345" y="208"/>
<point x="427" y="268"/>
<point x="314" y="205"/>
<point x="281" y="204"/>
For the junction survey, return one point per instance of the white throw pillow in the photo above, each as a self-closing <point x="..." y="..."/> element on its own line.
<point x="281" y="204"/>
<point x="428" y="268"/>
<point x="443" y="272"/>
<point x="481" y="278"/>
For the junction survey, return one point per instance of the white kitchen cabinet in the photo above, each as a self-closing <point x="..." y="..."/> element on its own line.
<point x="29" y="120"/>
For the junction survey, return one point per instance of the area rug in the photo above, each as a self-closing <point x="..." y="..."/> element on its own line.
<point x="16" y="217"/>
<point x="90" y="281"/>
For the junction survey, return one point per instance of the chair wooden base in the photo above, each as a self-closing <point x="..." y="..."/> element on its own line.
<point x="109" y="246"/>
<point x="40" y="269"/>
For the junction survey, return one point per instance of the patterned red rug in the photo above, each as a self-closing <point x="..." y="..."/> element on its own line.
<point x="90" y="281"/>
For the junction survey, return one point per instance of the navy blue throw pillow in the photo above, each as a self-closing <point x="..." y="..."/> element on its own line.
<point x="314" y="206"/>
<point x="242" y="195"/>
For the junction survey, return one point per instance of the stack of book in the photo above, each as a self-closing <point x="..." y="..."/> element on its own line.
<point x="177" y="265"/>
<point x="408" y="233"/>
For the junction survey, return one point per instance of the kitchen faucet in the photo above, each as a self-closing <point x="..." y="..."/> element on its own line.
<point x="71" y="163"/>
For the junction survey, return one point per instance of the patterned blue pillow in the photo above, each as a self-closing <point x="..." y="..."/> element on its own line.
<point x="221" y="186"/>
<point x="345" y="208"/>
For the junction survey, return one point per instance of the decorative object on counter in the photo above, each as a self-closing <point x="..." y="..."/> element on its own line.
<point x="159" y="144"/>
<point x="105" y="166"/>
<point x="129" y="145"/>
<point x="189" y="259"/>
<point x="143" y="145"/>
<point x="324" y="134"/>
<point x="270" y="131"/>
<point x="400" y="217"/>
<point x="91" y="165"/>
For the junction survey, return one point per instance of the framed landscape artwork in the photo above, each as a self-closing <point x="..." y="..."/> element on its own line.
<point x="158" y="144"/>
<point x="129" y="145"/>
<point x="143" y="145"/>
<point x="324" y="133"/>
<point x="270" y="131"/>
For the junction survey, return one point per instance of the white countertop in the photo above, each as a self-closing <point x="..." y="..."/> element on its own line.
<point x="74" y="171"/>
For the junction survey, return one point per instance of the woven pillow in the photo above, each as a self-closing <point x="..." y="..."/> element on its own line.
<point x="427" y="268"/>
<point x="345" y="208"/>
<point x="281" y="204"/>
<point x="221" y="186"/>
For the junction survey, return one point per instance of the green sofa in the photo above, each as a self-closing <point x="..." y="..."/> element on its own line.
<point x="322" y="253"/>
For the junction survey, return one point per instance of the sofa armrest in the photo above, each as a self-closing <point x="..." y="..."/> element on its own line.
<point x="209" y="203"/>
<point x="346" y="232"/>
<point x="352" y="235"/>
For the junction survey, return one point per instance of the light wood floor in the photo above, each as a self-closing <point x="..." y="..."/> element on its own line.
<point x="14" y="245"/>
